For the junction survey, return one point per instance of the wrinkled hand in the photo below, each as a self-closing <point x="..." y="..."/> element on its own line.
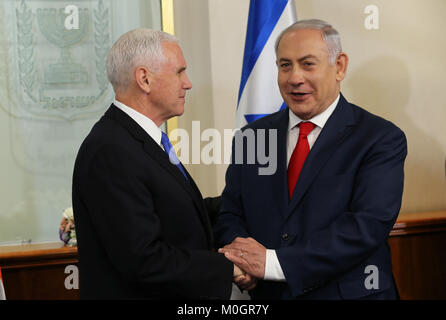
<point x="246" y="282"/>
<point x="243" y="280"/>
<point x="248" y="254"/>
<point x="238" y="272"/>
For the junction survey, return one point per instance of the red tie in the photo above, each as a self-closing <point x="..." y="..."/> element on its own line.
<point x="299" y="155"/>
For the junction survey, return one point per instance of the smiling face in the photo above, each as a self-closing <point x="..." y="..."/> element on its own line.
<point x="307" y="81"/>
<point x="169" y="85"/>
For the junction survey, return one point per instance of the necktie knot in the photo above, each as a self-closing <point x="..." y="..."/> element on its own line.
<point x="305" y="128"/>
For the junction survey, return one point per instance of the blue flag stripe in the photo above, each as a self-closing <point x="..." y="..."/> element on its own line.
<point x="253" y="117"/>
<point x="263" y="17"/>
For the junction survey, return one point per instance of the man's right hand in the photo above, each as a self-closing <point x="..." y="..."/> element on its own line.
<point x="243" y="280"/>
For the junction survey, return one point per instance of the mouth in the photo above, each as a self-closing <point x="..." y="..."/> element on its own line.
<point x="300" y="96"/>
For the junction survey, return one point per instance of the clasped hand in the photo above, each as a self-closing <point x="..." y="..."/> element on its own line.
<point x="249" y="258"/>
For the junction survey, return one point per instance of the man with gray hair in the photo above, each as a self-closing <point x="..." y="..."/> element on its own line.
<point x="318" y="227"/>
<point x="143" y="228"/>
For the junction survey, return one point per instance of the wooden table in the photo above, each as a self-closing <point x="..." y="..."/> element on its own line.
<point x="37" y="271"/>
<point x="417" y="241"/>
<point x="418" y="244"/>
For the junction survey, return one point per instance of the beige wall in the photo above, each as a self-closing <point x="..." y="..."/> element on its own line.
<point x="212" y="34"/>
<point x="396" y="72"/>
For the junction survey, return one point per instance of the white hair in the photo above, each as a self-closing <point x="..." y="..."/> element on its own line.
<point x="139" y="47"/>
<point x="330" y="36"/>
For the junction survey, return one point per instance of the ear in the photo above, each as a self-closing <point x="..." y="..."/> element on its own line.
<point x="341" y="66"/>
<point x="143" y="79"/>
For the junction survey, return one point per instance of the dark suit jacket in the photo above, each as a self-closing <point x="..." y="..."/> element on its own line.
<point x="143" y="230"/>
<point x="344" y="205"/>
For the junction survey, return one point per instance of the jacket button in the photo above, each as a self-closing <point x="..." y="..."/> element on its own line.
<point x="285" y="236"/>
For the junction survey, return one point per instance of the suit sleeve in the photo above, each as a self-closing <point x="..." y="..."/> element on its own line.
<point x="356" y="233"/>
<point x="213" y="206"/>
<point x="231" y="223"/>
<point x="124" y="217"/>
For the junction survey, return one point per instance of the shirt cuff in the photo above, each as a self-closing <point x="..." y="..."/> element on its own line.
<point x="273" y="270"/>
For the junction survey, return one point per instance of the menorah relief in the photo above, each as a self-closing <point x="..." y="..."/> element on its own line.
<point x="51" y="22"/>
<point x="60" y="71"/>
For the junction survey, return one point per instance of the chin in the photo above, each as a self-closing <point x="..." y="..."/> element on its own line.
<point x="179" y="112"/>
<point x="302" y="112"/>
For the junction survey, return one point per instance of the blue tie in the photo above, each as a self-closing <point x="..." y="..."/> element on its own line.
<point x="171" y="153"/>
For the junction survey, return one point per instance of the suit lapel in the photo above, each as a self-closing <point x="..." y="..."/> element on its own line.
<point x="279" y="179"/>
<point x="152" y="148"/>
<point x="156" y="153"/>
<point x="334" y="132"/>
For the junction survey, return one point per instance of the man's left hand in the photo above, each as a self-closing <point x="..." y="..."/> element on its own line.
<point x="248" y="254"/>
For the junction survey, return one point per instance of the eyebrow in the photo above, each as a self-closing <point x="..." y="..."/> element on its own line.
<point x="308" y="56"/>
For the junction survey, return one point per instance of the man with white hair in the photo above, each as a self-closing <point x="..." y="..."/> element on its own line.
<point x="143" y="229"/>
<point x="318" y="227"/>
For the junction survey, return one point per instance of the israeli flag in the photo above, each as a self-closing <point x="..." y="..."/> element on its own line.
<point x="259" y="93"/>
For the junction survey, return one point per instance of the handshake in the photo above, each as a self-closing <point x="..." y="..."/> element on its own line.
<point x="249" y="258"/>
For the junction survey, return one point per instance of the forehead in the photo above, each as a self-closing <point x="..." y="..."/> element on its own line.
<point x="173" y="53"/>
<point x="302" y="42"/>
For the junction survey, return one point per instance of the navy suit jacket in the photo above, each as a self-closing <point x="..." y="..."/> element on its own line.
<point x="143" y="230"/>
<point x="344" y="206"/>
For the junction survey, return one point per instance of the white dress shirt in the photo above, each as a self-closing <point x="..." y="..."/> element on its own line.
<point x="144" y="122"/>
<point x="273" y="270"/>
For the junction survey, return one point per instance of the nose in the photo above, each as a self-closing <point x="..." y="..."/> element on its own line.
<point x="296" y="77"/>
<point x="187" y="85"/>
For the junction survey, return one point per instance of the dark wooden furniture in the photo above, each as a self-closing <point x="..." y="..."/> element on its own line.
<point x="37" y="271"/>
<point x="417" y="241"/>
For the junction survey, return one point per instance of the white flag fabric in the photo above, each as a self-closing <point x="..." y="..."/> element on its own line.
<point x="259" y="94"/>
<point x="2" y="288"/>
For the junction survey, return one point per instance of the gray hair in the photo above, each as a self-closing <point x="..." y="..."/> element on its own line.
<point x="139" y="47"/>
<point x="329" y="34"/>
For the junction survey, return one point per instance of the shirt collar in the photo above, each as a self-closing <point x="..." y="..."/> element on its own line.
<point x="144" y="122"/>
<point x="319" y="120"/>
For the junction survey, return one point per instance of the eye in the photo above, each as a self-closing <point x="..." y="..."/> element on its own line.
<point x="181" y="71"/>
<point x="285" y="64"/>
